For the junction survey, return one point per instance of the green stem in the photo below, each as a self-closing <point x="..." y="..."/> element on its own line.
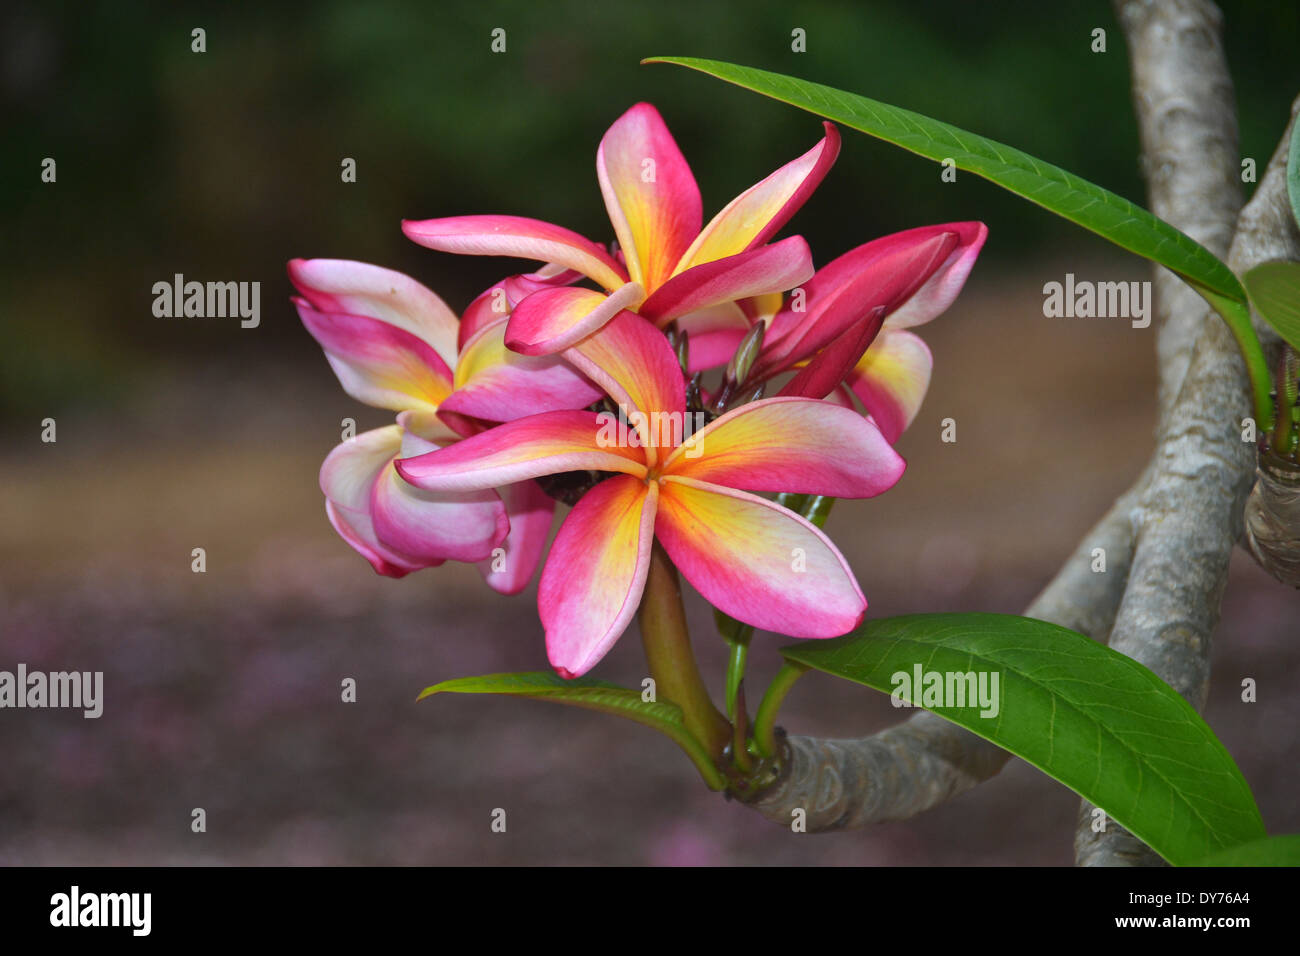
<point x="765" y="720"/>
<point x="1237" y="316"/>
<point x="672" y="663"/>
<point x="704" y="763"/>
<point x="737" y="637"/>
<point x="740" y="737"/>
<point x="818" y="509"/>
<point x="795" y="502"/>
<point x="1257" y="367"/>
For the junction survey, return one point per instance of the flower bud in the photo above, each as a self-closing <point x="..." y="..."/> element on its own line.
<point x="741" y="363"/>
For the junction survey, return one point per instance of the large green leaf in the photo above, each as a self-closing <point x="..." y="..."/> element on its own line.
<point x="1109" y="215"/>
<point x="1275" y="291"/>
<point x="1051" y="187"/>
<point x="1270" y="851"/>
<point x="1097" y="721"/>
<point x="592" y="694"/>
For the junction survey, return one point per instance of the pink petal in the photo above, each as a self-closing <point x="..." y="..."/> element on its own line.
<point x="347" y="478"/>
<point x="593" y="580"/>
<point x="757" y="561"/>
<point x="356" y="529"/>
<point x="416" y="444"/>
<point x="462" y="425"/>
<point x="757" y="214"/>
<point x="939" y="291"/>
<point x="724" y="315"/>
<point x="349" y="472"/>
<point x="496" y="384"/>
<point x="520" y="238"/>
<point x="842" y="397"/>
<point x="799" y="445"/>
<point x="552" y="320"/>
<point x="891" y="380"/>
<point x="544" y="444"/>
<point x="713" y="349"/>
<point x="883" y="273"/>
<point x="428" y="427"/>
<point x="762" y="308"/>
<point x="358" y="288"/>
<point x="378" y="363"/>
<point x="632" y="361"/>
<point x="499" y="301"/>
<point x="531" y="511"/>
<point x="430" y="526"/>
<point x="828" y="368"/>
<point x="650" y="193"/>
<point x="775" y="268"/>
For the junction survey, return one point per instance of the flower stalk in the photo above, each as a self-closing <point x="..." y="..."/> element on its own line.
<point x="668" y="652"/>
<point x="736" y="635"/>
<point x="765" y="720"/>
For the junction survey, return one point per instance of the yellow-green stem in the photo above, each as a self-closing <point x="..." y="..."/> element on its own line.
<point x="765" y="719"/>
<point x="668" y="652"/>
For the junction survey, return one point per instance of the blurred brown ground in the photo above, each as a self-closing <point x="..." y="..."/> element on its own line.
<point x="222" y="690"/>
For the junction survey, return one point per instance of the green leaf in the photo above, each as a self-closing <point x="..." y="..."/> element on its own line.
<point x="1293" y="172"/>
<point x="1270" y="851"/>
<point x="1051" y="187"/>
<point x="1093" y="719"/>
<point x="1109" y="215"/>
<point x="1275" y="291"/>
<point x="592" y="694"/>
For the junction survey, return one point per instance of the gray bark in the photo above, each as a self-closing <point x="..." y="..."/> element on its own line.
<point x="1273" y="520"/>
<point x="1187" y="126"/>
<point x="1191" y="514"/>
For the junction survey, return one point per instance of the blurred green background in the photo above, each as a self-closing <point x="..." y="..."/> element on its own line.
<point x="224" y="164"/>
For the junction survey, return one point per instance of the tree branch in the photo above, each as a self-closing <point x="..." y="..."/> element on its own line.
<point x="1191" y="515"/>
<point x="1273" y="509"/>
<point x="1187" y="125"/>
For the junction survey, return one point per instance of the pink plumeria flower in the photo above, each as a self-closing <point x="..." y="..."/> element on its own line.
<point x="392" y="526"/>
<point x="493" y="383"/>
<point x="393" y="344"/>
<point x="670" y="266"/>
<point x="846" y="334"/>
<point x="749" y="557"/>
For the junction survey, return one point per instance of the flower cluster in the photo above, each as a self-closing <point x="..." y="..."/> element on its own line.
<point x="639" y="401"/>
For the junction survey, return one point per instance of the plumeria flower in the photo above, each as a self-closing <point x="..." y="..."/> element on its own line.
<point x="845" y="330"/>
<point x="395" y="344"/>
<point x="668" y="266"/>
<point x="748" y="556"/>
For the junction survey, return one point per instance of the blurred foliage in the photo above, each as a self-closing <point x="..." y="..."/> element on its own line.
<point x="223" y="165"/>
